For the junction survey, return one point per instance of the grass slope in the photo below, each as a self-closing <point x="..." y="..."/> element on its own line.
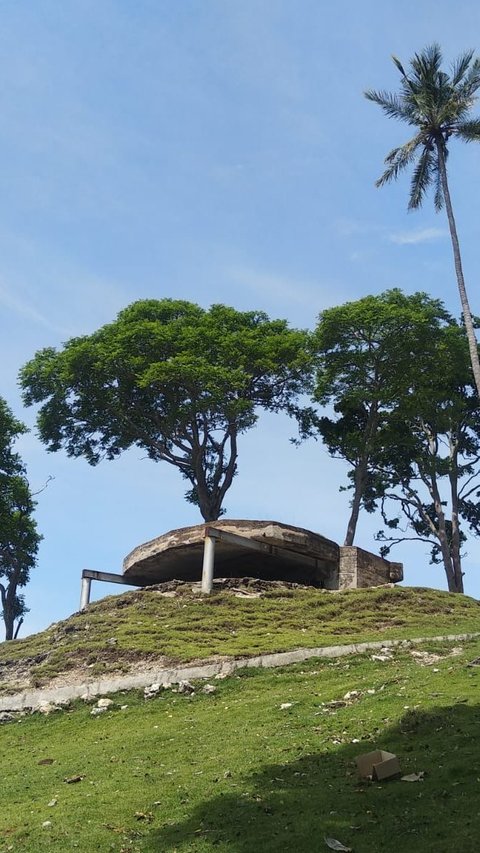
<point x="233" y="772"/>
<point x="118" y="632"/>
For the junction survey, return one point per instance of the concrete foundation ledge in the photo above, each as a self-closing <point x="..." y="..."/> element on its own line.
<point x="32" y="699"/>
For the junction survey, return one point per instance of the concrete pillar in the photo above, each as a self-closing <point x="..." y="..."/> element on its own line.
<point x="208" y="562"/>
<point x="85" y="593"/>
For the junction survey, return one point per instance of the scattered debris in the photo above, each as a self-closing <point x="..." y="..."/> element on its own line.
<point x="384" y="657"/>
<point x="148" y="816"/>
<point x="47" y="708"/>
<point x="5" y="717"/>
<point x="185" y="687"/>
<point x="414" y="777"/>
<point x="475" y="662"/>
<point x="152" y="690"/>
<point x="352" y="694"/>
<point x="428" y="658"/>
<point x="52" y="802"/>
<point x="337" y="845"/>
<point x="378" y="765"/>
<point x="72" y="780"/>
<point x="46" y="761"/>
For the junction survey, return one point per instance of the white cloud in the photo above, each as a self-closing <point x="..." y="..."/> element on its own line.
<point x="21" y="305"/>
<point x="301" y="299"/>
<point x="420" y="235"/>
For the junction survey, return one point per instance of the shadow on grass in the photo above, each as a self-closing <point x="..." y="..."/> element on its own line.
<point x="292" y="807"/>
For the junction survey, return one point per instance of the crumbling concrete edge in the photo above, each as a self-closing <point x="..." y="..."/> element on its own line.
<point x="29" y="699"/>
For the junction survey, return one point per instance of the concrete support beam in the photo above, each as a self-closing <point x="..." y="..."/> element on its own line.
<point x="208" y="562"/>
<point x="85" y="593"/>
<point x="88" y="575"/>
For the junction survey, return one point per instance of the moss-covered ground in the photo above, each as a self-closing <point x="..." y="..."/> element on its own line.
<point x="118" y="632"/>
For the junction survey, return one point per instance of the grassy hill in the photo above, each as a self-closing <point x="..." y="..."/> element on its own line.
<point x="173" y="624"/>
<point x="266" y="761"/>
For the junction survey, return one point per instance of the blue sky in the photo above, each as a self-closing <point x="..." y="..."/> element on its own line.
<point x="217" y="151"/>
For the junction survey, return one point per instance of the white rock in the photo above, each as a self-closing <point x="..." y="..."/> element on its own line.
<point x="152" y="690"/>
<point x="47" y="708"/>
<point x="209" y="688"/>
<point x="47" y="823"/>
<point x="96" y="711"/>
<point x="352" y="694"/>
<point x="104" y="703"/>
<point x="285" y="705"/>
<point x="185" y="687"/>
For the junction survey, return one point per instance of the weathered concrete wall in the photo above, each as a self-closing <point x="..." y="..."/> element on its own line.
<point x="359" y="568"/>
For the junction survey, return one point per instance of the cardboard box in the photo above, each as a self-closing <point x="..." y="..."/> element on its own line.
<point x="378" y="764"/>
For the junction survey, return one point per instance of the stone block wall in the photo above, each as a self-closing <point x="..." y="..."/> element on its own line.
<point x="359" y="568"/>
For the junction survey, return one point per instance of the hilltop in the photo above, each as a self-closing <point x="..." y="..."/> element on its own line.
<point x="171" y="624"/>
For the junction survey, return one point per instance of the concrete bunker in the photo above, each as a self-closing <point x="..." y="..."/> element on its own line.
<point x="267" y="550"/>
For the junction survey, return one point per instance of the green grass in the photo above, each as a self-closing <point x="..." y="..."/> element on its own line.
<point x="117" y="632"/>
<point x="233" y="772"/>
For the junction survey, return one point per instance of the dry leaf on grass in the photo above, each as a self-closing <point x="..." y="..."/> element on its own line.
<point x="337" y="845"/>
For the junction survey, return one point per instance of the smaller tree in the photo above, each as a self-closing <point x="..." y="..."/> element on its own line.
<point x="174" y="379"/>
<point x="368" y="354"/>
<point x="430" y="467"/>
<point x="19" y="539"/>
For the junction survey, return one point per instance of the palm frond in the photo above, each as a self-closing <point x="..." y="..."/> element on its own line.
<point x="392" y="105"/>
<point x="469" y="131"/>
<point x="460" y="67"/>
<point x="421" y="179"/>
<point x="470" y="84"/>
<point x="398" y="159"/>
<point x="427" y="63"/>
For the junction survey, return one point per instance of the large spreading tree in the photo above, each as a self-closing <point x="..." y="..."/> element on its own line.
<point x="19" y="539"/>
<point x="437" y="105"/>
<point x="176" y="380"/>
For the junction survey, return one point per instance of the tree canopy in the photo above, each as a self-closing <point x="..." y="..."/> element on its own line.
<point x="367" y="354"/>
<point x="394" y="368"/>
<point x="19" y="539"/>
<point x="170" y="377"/>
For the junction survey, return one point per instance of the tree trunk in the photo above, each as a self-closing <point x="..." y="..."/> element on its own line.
<point x="360" y="477"/>
<point x="8" y="612"/>
<point x="455" y="544"/>
<point x="445" y="548"/>
<point x="467" y="314"/>
<point x="361" y="471"/>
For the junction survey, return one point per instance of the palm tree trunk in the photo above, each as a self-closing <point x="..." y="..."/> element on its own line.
<point x="467" y="314"/>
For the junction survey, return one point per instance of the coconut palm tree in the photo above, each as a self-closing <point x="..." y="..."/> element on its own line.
<point x="437" y="104"/>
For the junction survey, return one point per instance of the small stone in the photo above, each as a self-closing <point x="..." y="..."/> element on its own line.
<point x="152" y="690"/>
<point x="209" y="688"/>
<point x="46" y="823"/>
<point x="52" y="802"/>
<point x="5" y="717"/>
<point x="47" y="708"/>
<point x="285" y="705"/>
<point x="96" y="711"/>
<point x="352" y="694"/>
<point x="123" y="707"/>
<point x="185" y="687"/>
<point x="104" y="703"/>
